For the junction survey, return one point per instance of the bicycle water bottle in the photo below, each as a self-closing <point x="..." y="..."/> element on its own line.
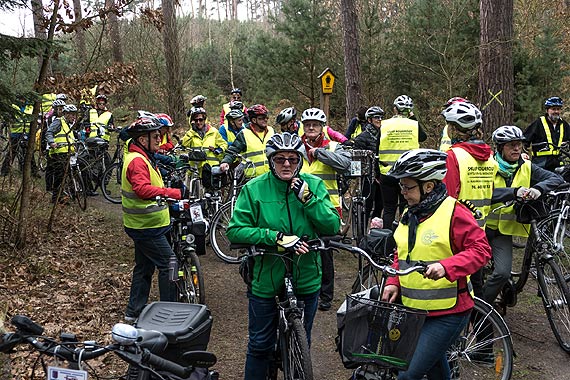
<point x="173" y="268"/>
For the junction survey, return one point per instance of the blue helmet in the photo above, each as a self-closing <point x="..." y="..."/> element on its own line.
<point x="553" y="101"/>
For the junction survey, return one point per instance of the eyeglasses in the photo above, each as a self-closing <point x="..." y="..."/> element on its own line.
<point x="281" y="160"/>
<point x="407" y="188"/>
<point x="377" y="117"/>
<point x="200" y="120"/>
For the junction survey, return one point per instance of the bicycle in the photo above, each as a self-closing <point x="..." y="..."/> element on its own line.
<point x="147" y="352"/>
<point x="484" y="350"/>
<point x="110" y="183"/>
<point x="291" y="354"/>
<point x="72" y="183"/>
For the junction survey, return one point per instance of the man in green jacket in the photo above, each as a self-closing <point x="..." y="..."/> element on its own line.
<point x="275" y="209"/>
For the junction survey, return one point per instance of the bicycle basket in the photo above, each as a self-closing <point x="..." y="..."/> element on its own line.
<point x="376" y="332"/>
<point x="529" y="210"/>
<point x="361" y="163"/>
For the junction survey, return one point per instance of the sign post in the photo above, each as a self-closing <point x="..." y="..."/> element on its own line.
<point x="327" y="83"/>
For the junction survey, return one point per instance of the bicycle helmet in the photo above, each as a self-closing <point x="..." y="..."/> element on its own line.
<point x="198" y="99"/>
<point x="197" y="111"/>
<point x="234" y="114"/>
<point x="101" y="97"/>
<point x="58" y="103"/>
<point x="403" y="103"/>
<point x="456" y="99"/>
<point x="284" y="142"/>
<point x="165" y="120"/>
<point x="257" y="110"/>
<point x="61" y="97"/>
<point x="236" y="105"/>
<point x="464" y="115"/>
<point x="374" y="111"/>
<point x="553" y="101"/>
<point x="420" y="164"/>
<point x="507" y="133"/>
<point x="236" y="91"/>
<point x="69" y="108"/>
<point x="286" y="115"/>
<point x="142" y="126"/>
<point x="314" y="114"/>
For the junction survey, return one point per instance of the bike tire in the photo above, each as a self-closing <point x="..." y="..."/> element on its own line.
<point x="218" y="239"/>
<point x="76" y="188"/>
<point x="111" y="183"/>
<point x="484" y="350"/>
<point x="295" y="353"/>
<point x="359" y="227"/>
<point x="555" y="296"/>
<point x="190" y="283"/>
<point x="522" y="277"/>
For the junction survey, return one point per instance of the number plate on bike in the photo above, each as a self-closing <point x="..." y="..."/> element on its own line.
<point x="73" y="160"/>
<point x="196" y="213"/>
<point x="56" y="373"/>
<point x="355" y="168"/>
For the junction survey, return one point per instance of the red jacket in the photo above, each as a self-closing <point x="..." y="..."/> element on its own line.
<point x="481" y="152"/>
<point x="471" y="252"/>
<point x="139" y="178"/>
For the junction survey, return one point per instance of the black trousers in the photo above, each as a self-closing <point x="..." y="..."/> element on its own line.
<point x="393" y="200"/>
<point x="327" y="283"/>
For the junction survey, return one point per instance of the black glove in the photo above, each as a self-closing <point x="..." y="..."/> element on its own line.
<point x="289" y="242"/>
<point x="302" y="191"/>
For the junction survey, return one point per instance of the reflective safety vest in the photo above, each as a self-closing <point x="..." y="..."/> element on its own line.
<point x="397" y="136"/>
<point x="477" y="179"/>
<point x="357" y="131"/>
<point x="326" y="173"/>
<point x="47" y="100"/>
<point x="301" y="131"/>
<point x="432" y="245"/>
<point x="505" y="219"/>
<point x="445" y="142"/>
<point x="256" y="151"/>
<point x="551" y="150"/>
<point x="22" y="119"/>
<point x="99" y="120"/>
<point x="140" y="213"/>
<point x="213" y="138"/>
<point x="64" y="139"/>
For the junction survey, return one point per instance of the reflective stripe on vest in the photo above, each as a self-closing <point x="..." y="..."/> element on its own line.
<point x="551" y="150"/>
<point x="505" y="219"/>
<point x="256" y="151"/>
<point x="193" y="140"/>
<point x="397" y="136"/>
<point x="139" y="213"/>
<point x="326" y="173"/>
<point x="64" y="139"/>
<point x="99" y="120"/>
<point x="445" y="142"/>
<point x="476" y="181"/>
<point x="432" y="245"/>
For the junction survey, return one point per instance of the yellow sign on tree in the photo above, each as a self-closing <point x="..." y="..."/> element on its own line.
<point x="327" y="81"/>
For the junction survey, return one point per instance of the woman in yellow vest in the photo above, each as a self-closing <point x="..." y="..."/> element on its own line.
<point x="146" y="221"/>
<point x="434" y="228"/>
<point x="516" y="177"/>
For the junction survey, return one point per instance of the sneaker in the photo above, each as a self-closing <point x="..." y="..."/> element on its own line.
<point x="325" y="305"/>
<point x="130" y="319"/>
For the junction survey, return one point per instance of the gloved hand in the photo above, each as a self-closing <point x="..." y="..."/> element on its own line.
<point x="301" y="190"/>
<point x="218" y="151"/>
<point x="521" y="191"/>
<point x="533" y="194"/>
<point x="292" y="242"/>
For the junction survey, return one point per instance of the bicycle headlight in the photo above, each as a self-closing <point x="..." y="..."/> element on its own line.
<point x="124" y="334"/>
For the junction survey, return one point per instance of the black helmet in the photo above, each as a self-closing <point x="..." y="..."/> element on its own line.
<point x="284" y="142"/>
<point x="142" y="126"/>
<point x="236" y="91"/>
<point x="286" y="115"/>
<point x="553" y="101"/>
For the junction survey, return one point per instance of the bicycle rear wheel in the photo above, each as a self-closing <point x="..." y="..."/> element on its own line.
<point x="295" y="354"/>
<point x="76" y="187"/>
<point x="218" y="239"/>
<point x="555" y="296"/>
<point x="190" y="282"/>
<point x="484" y="350"/>
<point x="111" y="183"/>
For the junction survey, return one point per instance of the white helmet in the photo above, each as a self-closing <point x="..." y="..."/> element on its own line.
<point x="465" y="115"/>
<point x="61" y="97"/>
<point x="507" y="133"/>
<point x="314" y="114"/>
<point x="69" y="108"/>
<point x="403" y="103"/>
<point x="286" y="115"/>
<point x="420" y="164"/>
<point x="58" y="103"/>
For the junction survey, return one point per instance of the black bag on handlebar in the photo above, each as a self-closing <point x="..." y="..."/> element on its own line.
<point x="379" y="243"/>
<point x="196" y="155"/>
<point x="529" y="210"/>
<point x="213" y="181"/>
<point x="246" y="270"/>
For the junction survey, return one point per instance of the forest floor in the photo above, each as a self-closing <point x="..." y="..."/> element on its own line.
<point x="77" y="279"/>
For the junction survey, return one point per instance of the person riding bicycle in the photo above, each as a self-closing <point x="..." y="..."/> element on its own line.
<point x="60" y="138"/>
<point x="234" y="126"/>
<point x="471" y="168"/>
<point x="438" y="230"/>
<point x="145" y="221"/>
<point x="251" y="142"/>
<point x="100" y="119"/>
<point x="202" y="135"/>
<point x="323" y="158"/>
<point x="276" y="209"/>
<point x="547" y="134"/>
<point x="519" y="178"/>
<point x="235" y="96"/>
<point x="287" y="121"/>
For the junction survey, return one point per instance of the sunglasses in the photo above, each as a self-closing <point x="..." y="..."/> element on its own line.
<point x="200" y="120"/>
<point x="291" y="160"/>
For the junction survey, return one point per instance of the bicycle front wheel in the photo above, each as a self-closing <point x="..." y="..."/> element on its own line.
<point x="76" y="188"/>
<point x="191" y="280"/>
<point x="555" y="296"/>
<point x="484" y="350"/>
<point x="295" y="353"/>
<point x="218" y="239"/>
<point x="111" y="183"/>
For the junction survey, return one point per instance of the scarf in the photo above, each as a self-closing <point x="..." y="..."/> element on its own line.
<point x="420" y="211"/>
<point x="506" y="168"/>
<point x="200" y="132"/>
<point x="318" y="143"/>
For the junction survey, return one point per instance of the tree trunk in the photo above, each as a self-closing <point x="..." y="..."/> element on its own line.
<point x="38" y="17"/>
<point x="351" y="57"/>
<point x="175" y="97"/>
<point x="114" y="35"/>
<point x="234" y="9"/>
<point x="496" y="74"/>
<point x="80" y="34"/>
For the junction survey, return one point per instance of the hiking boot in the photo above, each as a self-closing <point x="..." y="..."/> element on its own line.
<point x="325" y="305"/>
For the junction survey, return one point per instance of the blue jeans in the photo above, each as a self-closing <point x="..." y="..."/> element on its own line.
<point x="150" y="254"/>
<point x="263" y="318"/>
<point x="430" y="359"/>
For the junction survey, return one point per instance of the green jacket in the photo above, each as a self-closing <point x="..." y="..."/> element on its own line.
<point x="266" y="206"/>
